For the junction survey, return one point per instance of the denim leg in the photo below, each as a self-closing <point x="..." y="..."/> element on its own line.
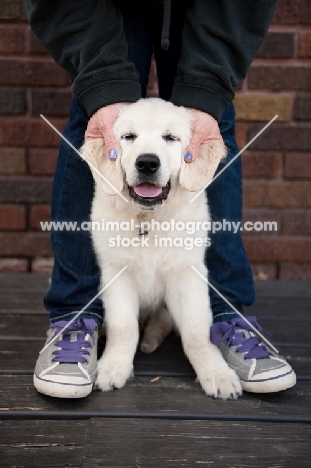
<point x="138" y="32"/>
<point x="75" y="275"/>
<point x="229" y="269"/>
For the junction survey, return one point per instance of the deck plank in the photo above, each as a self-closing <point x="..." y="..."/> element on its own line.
<point x="25" y="325"/>
<point x="32" y="325"/>
<point x="142" y="443"/>
<point x="24" y="281"/>
<point x="281" y="308"/>
<point x="42" y="443"/>
<point x="272" y="288"/>
<point x="172" y="397"/>
<point x="27" y="281"/>
<point x="29" y="301"/>
<point x="278" y="307"/>
<point x="169" y="358"/>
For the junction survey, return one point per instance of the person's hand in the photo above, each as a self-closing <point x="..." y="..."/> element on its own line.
<point x="101" y="124"/>
<point x="205" y="129"/>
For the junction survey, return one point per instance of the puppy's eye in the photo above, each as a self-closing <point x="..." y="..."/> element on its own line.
<point x="129" y="137"/>
<point x="170" y="137"/>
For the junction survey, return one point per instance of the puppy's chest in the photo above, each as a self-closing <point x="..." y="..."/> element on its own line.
<point x="148" y="239"/>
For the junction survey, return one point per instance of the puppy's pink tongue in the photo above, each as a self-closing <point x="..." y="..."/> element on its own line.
<point x="147" y="190"/>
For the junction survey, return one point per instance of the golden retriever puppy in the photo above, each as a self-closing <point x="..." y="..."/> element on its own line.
<point x="148" y="238"/>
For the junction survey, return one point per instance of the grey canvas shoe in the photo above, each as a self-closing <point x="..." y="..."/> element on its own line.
<point x="259" y="368"/>
<point x="67" y="368"/>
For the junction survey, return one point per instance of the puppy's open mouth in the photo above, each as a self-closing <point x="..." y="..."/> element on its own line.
<point x="149" y="194"/>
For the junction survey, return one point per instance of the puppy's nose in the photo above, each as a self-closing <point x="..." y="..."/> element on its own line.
<point x="147" y="163"/>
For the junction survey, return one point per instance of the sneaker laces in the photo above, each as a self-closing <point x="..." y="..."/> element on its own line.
<point x="233" y="332"/>
<point x="73" y="351"/>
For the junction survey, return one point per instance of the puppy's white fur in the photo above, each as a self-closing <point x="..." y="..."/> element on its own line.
<point x="158" y="281"/>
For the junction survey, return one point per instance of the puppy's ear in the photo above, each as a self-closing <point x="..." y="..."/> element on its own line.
<point x="196" y="175"/>
<point x="94" y="153"/>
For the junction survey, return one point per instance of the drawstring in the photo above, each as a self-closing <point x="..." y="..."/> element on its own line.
<point x="165" y="39"/>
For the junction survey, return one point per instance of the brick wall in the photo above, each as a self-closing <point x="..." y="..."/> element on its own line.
<point x="30" y="84"/>
<point x="277" y="166"/>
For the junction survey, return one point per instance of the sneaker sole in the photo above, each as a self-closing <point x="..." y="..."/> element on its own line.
<point x="276" y="384"/>
<point x="58" y="390"/>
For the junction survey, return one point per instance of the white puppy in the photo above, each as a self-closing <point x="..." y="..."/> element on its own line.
<point x="151" y="174"/>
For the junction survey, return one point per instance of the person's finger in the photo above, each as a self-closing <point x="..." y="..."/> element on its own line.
<point x="195" y="143"/>
<point x="205" y="129"/>
<point x="193" y="148"/>
<point x="93" y="129"/>
<point x="90" y="134"/>
<point x="101" y="125"/>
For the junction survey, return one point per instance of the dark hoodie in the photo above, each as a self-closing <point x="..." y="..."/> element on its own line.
<point x="220" y="40"/>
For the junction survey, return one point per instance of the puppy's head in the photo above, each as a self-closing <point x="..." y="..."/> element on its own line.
<point x="152" y="136"/>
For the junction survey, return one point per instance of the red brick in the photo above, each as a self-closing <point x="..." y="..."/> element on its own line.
<point x="11" y="39"/>
<point x="281" y="137"/>
<point x="287" y="12"/>
<point x="25" y="189"/>
<point x="12" y="161"/>
<point x="262" y="165"/>
<point x="42" y="265"/>
<point x="25" y="244"/>
<point x="39" y="213"/>
<point x="262" y="107"/>
<point x="42" y="161"/>
<point x="278" y="249"/>
<point x="240" y="133"/>
<point x="278" y="45"/>
<point x="297" y="166"/>
<point x="29" y="132"/>
<point x="293" y="12"/>
<point x="34" y="46"/>
<point x="280" y="78"/>
<point x="12" y="9"/>
<point x="304" y="44"/>
<point x="305" y="12"/>
<point x="295" y="271"/>
<point x="277" y="195"/>
<point x="13" y="265"/>
<point x="51" y="102"/>
<point x="29" y="72"/>
<point x="296" y="222"/>
<point x="264" y="271"/>
<point x="12" y="101"/>
<point x="302" y="106"/>
<point x="12" y="217"/>
<point x="262" y="215"/>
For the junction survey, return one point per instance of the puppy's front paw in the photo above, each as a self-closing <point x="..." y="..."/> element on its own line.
<point x="112" y="375"/>
<point x="222" y="383"/>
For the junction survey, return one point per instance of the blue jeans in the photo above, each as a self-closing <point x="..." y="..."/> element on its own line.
<point x="76" y="276"/>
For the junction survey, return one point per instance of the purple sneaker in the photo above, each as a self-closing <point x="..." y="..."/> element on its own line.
<point x="259" y="368"/>
<point x="67" y="368"/>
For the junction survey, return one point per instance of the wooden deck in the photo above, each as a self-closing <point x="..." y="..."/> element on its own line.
<point x="161" y="418"/>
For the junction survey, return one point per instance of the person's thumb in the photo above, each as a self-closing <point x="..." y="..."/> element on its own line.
<point x="110" y="145"/>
